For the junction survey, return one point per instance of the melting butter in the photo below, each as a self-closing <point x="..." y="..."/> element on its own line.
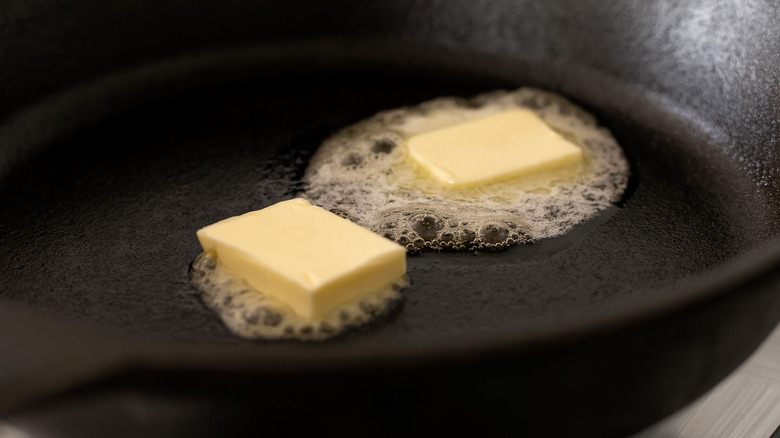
<point x="294" y="269"/>
<point x="366" y="174"/>
<point x="502" y="146"/>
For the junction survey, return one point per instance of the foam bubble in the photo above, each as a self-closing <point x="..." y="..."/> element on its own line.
<point x="364" y="174"/>
<point x="251" y="314"/>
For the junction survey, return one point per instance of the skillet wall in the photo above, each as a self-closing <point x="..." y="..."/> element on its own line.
<point x="718" y="62"/>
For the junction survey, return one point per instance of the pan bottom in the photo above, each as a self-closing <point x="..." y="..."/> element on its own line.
<point x="100" y="226"/>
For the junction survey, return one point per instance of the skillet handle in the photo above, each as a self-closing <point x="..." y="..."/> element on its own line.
<point x="48" y="357"/>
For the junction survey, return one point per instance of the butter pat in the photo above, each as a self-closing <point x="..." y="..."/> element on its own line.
<point x="304" y="256"/>
<point x="501" y="146"/>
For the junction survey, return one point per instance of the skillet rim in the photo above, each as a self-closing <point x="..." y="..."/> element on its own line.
<point x="754" y="266"/>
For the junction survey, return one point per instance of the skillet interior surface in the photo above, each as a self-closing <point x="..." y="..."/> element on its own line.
<point x="101" y="225"/>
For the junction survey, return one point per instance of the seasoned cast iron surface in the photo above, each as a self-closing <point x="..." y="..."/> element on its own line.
<point x="100" y="227"/>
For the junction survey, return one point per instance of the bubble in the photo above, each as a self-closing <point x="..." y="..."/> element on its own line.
<point x="383" y="146"/>
<point x="467" y="235"/>
<point x="426" y="225"/>
<point x="447" y="236"/>
<point x="209" y="263"/>
<point x="352" y="160"/>
<point x="327" y="329"/>
<point x="270" y="318"/>
<point x="535" y="101"/>
<point x="368" y="307"/>
<point x="389" y="189"/>
<point x="251" y="317"/>
<point x="493" y="233"/>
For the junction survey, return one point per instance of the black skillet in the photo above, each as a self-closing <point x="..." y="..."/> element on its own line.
<point x="126" y="127"/>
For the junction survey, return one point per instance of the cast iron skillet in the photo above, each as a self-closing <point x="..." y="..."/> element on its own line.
<point x="125" y="128"/>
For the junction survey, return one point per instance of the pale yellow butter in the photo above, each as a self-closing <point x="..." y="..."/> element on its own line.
<point x="304" y="256"/>
<point x="501" y="146"/>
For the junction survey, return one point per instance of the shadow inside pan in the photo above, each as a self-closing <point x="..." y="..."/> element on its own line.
<point x="100" y="227"/>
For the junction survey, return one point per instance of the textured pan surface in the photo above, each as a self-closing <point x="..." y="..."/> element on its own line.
<point x="104" y="221"/>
